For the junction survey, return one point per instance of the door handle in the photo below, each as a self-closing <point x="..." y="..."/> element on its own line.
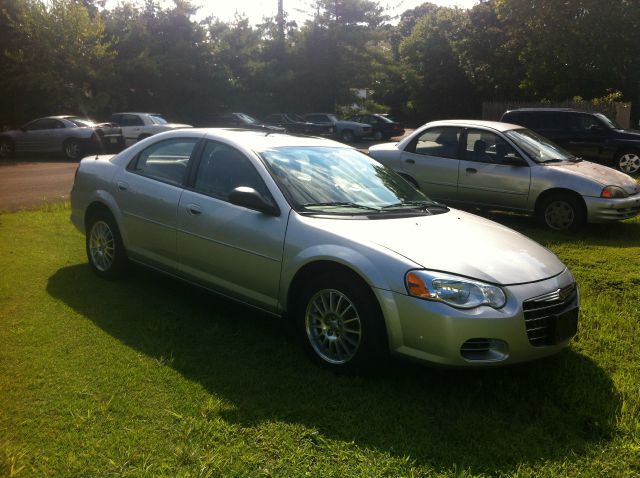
<point x="471" y="170"/>
<point x="194" y="209"/>
<point x="410" y="161"/>
<point x="122" y="186"/>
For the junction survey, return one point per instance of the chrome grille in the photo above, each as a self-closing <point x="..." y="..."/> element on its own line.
<point x="541" y="314"/>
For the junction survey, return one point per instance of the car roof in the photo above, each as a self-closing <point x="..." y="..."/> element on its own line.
<point x="136" y="113"/>
<point x="470" y="123"/>
<point x="551" y="110"/>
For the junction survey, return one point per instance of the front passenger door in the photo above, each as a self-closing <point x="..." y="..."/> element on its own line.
<point x="234" y="250"/>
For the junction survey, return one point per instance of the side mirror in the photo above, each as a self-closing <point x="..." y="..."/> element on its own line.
<point x="251" y="199"/>
<point x="594" y="128"/>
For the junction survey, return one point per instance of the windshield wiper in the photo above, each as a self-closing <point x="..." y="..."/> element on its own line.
<point x="340" y="204"/>
<point x="429" y="206"/>
<point x="576" y="159"/>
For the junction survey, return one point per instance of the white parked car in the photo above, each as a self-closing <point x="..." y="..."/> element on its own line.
<point x="319" y="233"/>
<point x="138" y="126"/>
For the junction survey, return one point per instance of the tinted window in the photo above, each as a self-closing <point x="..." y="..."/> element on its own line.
<point x="222" y="169"/>
<point x="487" y="147"/>
<point x="318" y="118"/>
<point x="165" y="161"/>
<point x="583" y="123"/>
<point x="45" y="123"/>
<point x="131" y="120"/>
<point x="442" y="142"/>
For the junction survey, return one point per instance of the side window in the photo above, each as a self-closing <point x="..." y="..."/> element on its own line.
<point x="45" y="123"/>
<point x="583" y="123"/>
<point x="222" y="169"/>
<point x="487" y="147"/>
<point x="443" y="142"/>
<point x="131" y="120"/>
<point x="165" y="161"/>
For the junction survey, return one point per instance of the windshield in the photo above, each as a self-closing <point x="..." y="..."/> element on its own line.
<point x="82" y="122"/>
<point x="537" y="147"/>
<point x="157" y="119"/>
<point x="341" y="180"/>
<point x="610" y="123"/>
<point x="246" y="118"/>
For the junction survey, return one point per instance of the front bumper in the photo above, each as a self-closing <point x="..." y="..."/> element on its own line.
<point x="437" y="333"/>
<point x="605" y="210"/>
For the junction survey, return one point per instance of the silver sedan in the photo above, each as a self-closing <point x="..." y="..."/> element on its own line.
<point x="504" y="166"/>
<point x="70" y="135"/>
<point x="318" y="233"/>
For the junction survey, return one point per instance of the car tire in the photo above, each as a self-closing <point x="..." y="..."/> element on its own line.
<point x="6" y="148"/>
<point x="339" y="322"/>
<point x="73" y="149"/>
<point x="347" y="136"/>
<point x="105" y="251"/>
<point x="378" y="136"/>
<point x="628" y="162"/>
<point x="562" y="212"/>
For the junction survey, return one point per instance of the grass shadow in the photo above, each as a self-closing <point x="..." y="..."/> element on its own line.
<point x="485" y="421"/>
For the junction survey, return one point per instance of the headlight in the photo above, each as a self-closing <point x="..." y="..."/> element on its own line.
<point x="613" y="192"/>
<point x="453" y="290"/>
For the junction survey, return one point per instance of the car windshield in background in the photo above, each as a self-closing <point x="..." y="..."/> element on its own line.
<point x="247" y="118"/>
<point x="158" y="119"/>
<point x="537" y="147"/>
<point x="342" y="180"/>
<point x="610" y="123"/>
<point x="82" y="123"/>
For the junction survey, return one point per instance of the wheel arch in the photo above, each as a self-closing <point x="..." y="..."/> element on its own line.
<point x="543" y="196"/>
<point x="322" y="267"/>
<point x="410" y="179"/>
<point x="103" y="202"/>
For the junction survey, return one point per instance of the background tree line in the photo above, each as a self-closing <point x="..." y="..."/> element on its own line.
<point x="75" y="56"/>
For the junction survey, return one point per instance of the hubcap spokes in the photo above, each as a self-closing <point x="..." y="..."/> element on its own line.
<point x="333" y="326"/>
<point x="630" y="163"/>
<point x="102" y="246"/>
<point x="559" y="215"/>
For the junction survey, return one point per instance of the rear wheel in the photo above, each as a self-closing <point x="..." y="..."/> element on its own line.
<point x="340" y="324"/>
<point x="73" y="149"/>
<point x="628" y="162"/>
<point x="6" y="148"/>
<point x="562" y="212"/>
<point x="347" y="136"/>
<point x="378" y="136"/>
<point x="105" y="251"/>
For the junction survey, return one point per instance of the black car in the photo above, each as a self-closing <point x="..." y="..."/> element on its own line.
<point x="382" y="127"/>
<point x="294" y="123"/>
<point x="585" y="134"/>
<point x="241" y="120"/>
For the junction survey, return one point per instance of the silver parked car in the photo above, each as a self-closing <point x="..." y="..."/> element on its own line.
<point x="319" y="233"/>
<point x="504" y="166"/>
<point x="70" y="135"/>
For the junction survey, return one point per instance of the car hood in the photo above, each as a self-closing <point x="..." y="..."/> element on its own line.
<point x="631" y="134"/>
<point x="459" y="243"/>
<point x="603" y="175"/>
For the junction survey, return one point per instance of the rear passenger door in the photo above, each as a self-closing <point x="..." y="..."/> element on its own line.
<point x="492" y="172"/>
<point x="432" y="159"/>
<point x="148" y="193"/>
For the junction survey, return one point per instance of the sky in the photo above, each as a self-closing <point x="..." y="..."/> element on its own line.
<point x="300" y="10"/>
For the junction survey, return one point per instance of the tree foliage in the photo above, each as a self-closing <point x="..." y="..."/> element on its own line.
<point x="75" y="56"/>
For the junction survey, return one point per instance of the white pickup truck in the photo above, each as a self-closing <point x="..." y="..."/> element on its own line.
<point x="137" y="126"/>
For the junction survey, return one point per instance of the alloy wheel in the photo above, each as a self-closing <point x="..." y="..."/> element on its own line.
<point x="559" y="215"/>
<point x="102" y="246"/>
<point x="629" y="163"/>
<point x="333" y="326"/>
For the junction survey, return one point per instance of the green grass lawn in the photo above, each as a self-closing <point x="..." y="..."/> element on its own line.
<point x="149" y="377"/>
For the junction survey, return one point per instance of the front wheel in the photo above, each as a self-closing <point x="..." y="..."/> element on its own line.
<point x="628" y="162"/>
<point x="106" y="254"/>
<point x="378" y="136"/>
<point x="562" y="212"/>
<point x="340" y="324"/>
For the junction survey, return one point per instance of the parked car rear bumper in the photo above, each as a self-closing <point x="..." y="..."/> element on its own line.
<point x="605" y="210"/>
